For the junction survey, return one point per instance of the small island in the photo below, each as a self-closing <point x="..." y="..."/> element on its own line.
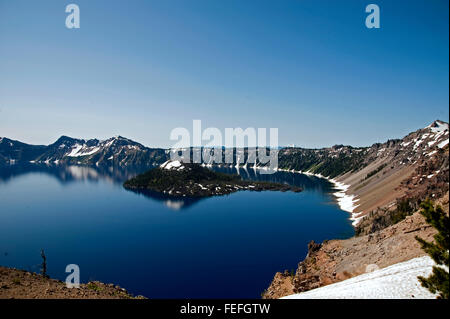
<point x="177" y="179"/>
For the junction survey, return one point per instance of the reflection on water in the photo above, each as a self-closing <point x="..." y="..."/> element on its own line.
<point x="118" y="174"/>
<point x="306" y="182"/>
<point x="219" y="247"/>
<point x="174" y="203"/>
<point x="114" y="175"/>
<point x="70" y="173"/>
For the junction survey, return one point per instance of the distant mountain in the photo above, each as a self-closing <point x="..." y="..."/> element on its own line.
<point x="15" y="151"/>
<point x="339" y="159"/>
<point x="383" y="183"/>
<point x="117" y="151"/>
<point x="386" y="181"/>
<point x="331" y="162"/>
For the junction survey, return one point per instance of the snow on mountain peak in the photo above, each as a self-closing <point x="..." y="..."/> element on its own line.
<point x="78" y="150"/>
<point x="438" y="126"/>
<point x="435" y="134"/>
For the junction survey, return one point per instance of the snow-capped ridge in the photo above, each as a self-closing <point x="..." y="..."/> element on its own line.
<point x="438" y="126"/>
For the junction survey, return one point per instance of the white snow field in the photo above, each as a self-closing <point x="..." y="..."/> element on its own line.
<point x="398" y="281"/>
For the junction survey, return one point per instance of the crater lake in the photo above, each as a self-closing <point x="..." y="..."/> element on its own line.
<point x="220" y="247"/>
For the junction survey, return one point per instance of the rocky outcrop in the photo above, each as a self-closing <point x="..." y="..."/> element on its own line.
<point x="337" y="260"/>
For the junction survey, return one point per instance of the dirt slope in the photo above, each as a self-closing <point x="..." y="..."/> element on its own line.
<point x="20" y="284"/>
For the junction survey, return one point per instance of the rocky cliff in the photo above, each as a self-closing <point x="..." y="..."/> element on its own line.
<point x="388" y="184"/>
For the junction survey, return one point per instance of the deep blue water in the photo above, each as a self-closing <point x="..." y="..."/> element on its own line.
<point x="221" y="247"/>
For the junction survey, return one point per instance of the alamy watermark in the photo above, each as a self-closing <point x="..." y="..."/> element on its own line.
<point x="73" y="279"/>
<point x="73" y="19"/>
<point x="373" y="19"/>
<point x="250" y="147"/>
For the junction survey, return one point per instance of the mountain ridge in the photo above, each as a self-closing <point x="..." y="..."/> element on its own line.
<point x="113" y="151"/>
<point x="340" y="157"/>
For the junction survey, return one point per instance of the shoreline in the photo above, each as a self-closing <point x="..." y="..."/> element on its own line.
<point x="347" y="203"/>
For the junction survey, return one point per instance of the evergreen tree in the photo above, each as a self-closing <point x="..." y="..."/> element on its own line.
<point x="438" y="281"/>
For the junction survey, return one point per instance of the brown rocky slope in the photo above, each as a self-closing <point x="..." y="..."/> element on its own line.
<point x="396" y="177"/>
<point x="20" y="284"/>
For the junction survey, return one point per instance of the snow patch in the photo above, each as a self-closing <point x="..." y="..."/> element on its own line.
<point x="398" y="281"/>
<point x="442" y="144"/>
<point x="405" y="144"/>
<point x="438" y="127"/>
<point x="172" y="164"/>
<point x="75" y="149"/>
<point x="346" y="202"/>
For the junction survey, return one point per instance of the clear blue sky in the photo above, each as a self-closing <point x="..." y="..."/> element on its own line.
<point x="141" y="68"/>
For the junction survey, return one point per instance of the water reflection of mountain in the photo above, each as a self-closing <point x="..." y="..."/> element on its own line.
<point x="306" y="182"/>
<point x="66" y="174"/>
<point x="72" y="173"/>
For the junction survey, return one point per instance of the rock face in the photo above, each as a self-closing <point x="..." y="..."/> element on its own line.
<point x="177" y="179"/>
<point x="313" y="247"/>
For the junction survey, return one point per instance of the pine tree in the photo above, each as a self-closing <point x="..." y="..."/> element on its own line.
<point x="438" y="281"/>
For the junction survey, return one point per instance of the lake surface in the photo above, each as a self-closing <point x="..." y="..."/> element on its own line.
<point x="221" y="247"/>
